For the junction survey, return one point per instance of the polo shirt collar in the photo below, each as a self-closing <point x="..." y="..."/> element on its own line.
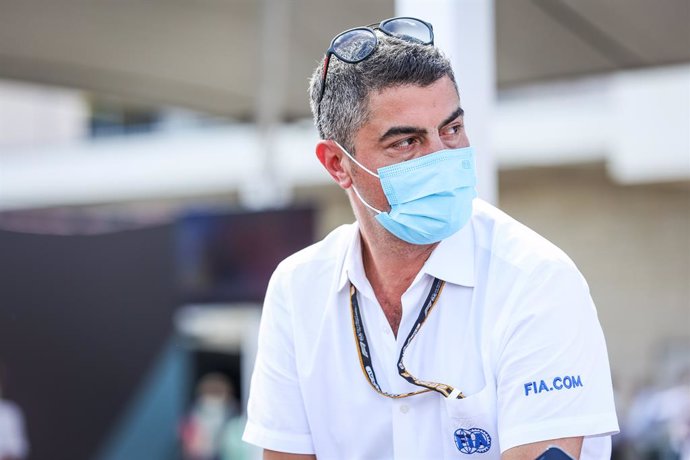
<point x="353" y="267"/>
<point x="451" y="261"/>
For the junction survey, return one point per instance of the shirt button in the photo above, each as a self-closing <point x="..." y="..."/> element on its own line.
<point x="404" y="408"/>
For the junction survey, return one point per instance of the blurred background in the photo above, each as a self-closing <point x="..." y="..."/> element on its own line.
<point x="157" y="161"/>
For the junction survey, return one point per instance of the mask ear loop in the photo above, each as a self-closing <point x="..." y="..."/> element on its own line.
<point x="364" y="202"/>
<point x="353" y="186"/>
<point x="356" y="162"/>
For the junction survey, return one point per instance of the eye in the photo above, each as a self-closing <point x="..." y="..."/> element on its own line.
<point x="452" y="130"/>
<point x="405" y="143"/>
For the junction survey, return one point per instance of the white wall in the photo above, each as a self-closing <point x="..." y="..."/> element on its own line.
<point x="637" y="122"/>
<point x="36" y="115"/>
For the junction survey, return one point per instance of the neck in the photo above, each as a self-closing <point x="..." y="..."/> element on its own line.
<point x="391" y="265"/>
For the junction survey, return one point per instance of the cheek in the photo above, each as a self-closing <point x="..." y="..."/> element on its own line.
<point x="370" y="188"/>
<point x="375" y="192"/>
<point x="460" y="141"/>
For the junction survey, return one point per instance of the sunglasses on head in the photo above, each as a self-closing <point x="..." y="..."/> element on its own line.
<point x="355" y="45"/>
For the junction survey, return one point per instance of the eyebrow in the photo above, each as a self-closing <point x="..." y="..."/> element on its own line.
<point x="397" y="130"/>
<point x="459" y="112"/>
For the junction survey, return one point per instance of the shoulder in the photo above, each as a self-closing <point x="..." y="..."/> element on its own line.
<point x="513" y="244"/>
<point x="523" y="273"/>
<point x="531" y="285"/>
<point x="321" y="257"/>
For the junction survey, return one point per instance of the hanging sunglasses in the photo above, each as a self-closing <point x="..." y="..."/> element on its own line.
<point x="355" y="45"/>
<point x="364" y="349"/>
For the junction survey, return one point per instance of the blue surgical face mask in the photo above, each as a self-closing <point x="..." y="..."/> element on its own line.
<point x="430" y="197"/>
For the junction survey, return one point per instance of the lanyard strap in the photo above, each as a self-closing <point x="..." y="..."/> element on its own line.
<point x="364" y="350"/>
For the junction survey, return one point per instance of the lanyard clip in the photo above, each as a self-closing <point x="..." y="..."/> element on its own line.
<point x="455" y="394"/>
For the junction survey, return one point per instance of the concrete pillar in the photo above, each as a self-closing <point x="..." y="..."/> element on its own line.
<point x="464" y="30"/>
<point x="266" y="187"/>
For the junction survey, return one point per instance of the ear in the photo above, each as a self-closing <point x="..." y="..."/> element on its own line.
<point x="332" y="158"/>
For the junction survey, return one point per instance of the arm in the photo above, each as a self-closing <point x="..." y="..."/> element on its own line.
<point x="276" y="416"/>
<point x="553" y="336"/>
<point x="273" y="455"/>
<point x="572" y="446"/>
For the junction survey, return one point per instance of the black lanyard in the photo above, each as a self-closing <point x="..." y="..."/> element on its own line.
<point x="364" y="350"/>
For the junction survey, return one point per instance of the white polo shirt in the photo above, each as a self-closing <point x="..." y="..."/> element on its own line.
<point x="514" y="329"/>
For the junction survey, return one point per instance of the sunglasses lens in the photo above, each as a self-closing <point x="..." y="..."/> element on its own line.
<point x="408" y="29"/>
<point x="354" y="45"/>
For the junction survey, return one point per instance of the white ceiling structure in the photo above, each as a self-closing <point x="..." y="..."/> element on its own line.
<point x="582" y="80"/>
<point x="204" y="54"/>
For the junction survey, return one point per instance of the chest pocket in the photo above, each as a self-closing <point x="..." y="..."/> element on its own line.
<point x="470" y="426"/>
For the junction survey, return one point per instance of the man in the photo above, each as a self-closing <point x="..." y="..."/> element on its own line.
<point x="13" y="442"/>
<point x="435" y="326"/>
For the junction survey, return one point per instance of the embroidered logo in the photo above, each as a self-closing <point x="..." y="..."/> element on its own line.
<point x="472" y="440"/>
<point x="558" y="383"/>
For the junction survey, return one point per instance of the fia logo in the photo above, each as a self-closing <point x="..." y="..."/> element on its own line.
<point x="472" y="440"/>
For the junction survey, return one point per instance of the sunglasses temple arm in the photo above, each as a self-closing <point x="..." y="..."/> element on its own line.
<point x="326" y="61"/>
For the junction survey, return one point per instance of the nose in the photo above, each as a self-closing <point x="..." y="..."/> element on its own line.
<point x="436" y="142"/>
<point x="433" y="144"/>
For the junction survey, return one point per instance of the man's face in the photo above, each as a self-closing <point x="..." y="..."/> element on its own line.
<point x="406" y="122"/>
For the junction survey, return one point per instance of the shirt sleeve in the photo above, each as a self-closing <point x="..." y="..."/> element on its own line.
<point x="552" y="372"/>
<point x="276" y="418"/>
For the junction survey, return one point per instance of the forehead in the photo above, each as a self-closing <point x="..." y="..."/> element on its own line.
<point x="412" y="105"/>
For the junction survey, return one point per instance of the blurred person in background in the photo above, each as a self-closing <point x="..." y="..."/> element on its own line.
<point x="435" y="326"/>
<point x="657" y="425"/>
<point x="13" y="441"/>
<point x="207" y="431"/>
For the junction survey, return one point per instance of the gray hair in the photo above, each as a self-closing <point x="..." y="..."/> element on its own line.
<point x="394" y="62"/>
